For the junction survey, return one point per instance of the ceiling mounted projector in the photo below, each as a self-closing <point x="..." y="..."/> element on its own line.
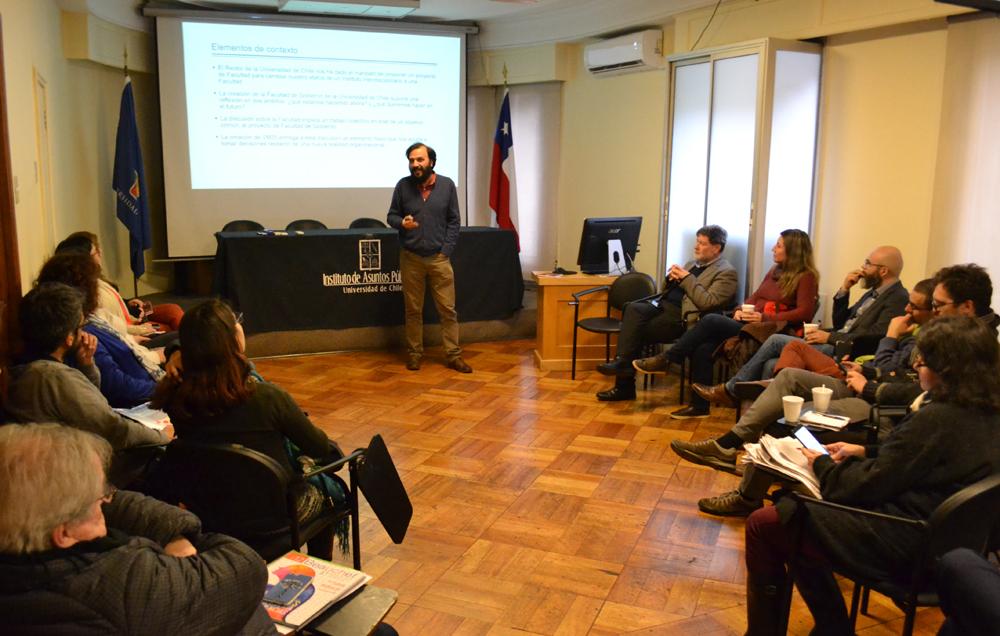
<point x="366" y="8"/>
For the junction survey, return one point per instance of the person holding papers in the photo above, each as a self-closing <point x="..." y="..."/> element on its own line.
<point x="949" y="442"/>
<point x="79" y="557"/>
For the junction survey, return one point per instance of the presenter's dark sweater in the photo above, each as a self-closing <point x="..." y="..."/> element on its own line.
<point x="438" y="216"/>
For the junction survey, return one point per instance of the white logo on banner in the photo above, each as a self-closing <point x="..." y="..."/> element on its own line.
<point x="370" y="279"/>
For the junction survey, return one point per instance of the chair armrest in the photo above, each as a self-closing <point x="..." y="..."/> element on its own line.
<point x="592" y="290"/>
<point x="809" y="501"/>
<point x="334" y="466"/>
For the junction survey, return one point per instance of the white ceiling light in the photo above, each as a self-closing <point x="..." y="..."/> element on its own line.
<point x="368" y="8"/>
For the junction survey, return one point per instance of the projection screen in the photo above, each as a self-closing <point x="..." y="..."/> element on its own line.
<point x="277" y="121"/>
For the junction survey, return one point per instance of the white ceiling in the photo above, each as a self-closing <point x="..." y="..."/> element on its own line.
<point x="503" y="23"/>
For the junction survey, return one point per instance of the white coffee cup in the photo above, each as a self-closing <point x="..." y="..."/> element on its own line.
<point x="810" y="327"/>
<point x="747" y="309"/>
<point x="793" y="408"/>
<point x="821" y="398"/>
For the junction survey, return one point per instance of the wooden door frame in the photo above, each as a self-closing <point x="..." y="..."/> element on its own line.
<point x="10" y="269"/>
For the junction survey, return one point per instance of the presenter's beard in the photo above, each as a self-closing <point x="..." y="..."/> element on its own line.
<point x="420" y="174"/>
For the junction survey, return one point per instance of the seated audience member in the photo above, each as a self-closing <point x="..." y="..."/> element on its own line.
<point x="787" y="293"/>
<point x="147" y="319"/>
<point x="128" y="372"/>
<point x="215" y="399"/>
<point x="705" y="284"/>
<point x="885" y="299"/>
<point x="44" y="388"/>
<point x="964" y="290"/>
<point x="854" y="394"/>
<point x="949" y="443"/>
<point x="862" y="386"/>
<point x="969" y="588"/>
<point x="78" y="557"/>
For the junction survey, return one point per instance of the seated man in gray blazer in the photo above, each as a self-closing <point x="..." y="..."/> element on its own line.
<point x="707" y="283"/>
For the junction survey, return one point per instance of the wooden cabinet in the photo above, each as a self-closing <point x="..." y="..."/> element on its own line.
<point x="554" y="348"/>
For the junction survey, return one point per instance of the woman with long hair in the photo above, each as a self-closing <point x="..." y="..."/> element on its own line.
<point x="217" y="399"/>
<point x="788" y="293"/>
<point x="950" y="441"/>
<point x="129" y="371"/>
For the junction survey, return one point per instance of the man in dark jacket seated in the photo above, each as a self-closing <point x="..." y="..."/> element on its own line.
<point x="76" y="557"/>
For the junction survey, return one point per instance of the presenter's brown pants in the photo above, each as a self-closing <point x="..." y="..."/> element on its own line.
<point x="416" y="270"/>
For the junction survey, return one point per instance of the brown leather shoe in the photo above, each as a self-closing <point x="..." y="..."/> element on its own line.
<point x="715" y="394"/>
<point x="459" y="365"/>
<point x="413" y="362"/>
<point x="654" y="365"/>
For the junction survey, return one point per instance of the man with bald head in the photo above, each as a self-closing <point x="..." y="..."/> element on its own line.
<point x="884" y="299"/>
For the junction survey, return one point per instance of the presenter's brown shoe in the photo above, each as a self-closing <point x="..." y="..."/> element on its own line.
<point x="459" y="365"/>
<point x="413" y="362"/>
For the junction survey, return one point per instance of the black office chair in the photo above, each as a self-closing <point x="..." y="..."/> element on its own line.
<point x="242" y="225"/>
<point x="238" y="491"/>
<point x="626" y="288"/>
<point x="305" y="224"/>
<point x="967" y="519"/>
<point x="366" y="223"/>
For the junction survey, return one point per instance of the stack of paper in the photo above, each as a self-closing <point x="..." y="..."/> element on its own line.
<point x="151" y="418"/>
<point x="304" y="586"/>
<point x="824" y="420"/>
<point x="783" y="455"/>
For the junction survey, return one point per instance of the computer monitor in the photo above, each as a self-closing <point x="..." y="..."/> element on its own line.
<point x="593" y="256"/>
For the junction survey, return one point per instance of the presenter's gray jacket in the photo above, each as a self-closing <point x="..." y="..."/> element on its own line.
<point x="125" y="583"/>
<point x="713" y="289"/>
<point x="438" y="216"/>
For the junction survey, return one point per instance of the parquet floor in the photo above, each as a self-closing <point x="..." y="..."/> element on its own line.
<point x="538" y="509"/>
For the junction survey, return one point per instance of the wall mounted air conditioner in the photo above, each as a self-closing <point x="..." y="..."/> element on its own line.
<point x="641" y="51"/>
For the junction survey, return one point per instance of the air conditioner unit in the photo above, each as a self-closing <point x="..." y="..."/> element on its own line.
<point x="639" y="51"/>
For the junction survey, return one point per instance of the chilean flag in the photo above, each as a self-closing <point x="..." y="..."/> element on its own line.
<point x="503" y="198"/>
<point x="129" y="183"/>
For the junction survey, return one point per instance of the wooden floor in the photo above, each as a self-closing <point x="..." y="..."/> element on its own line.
<point x="538" y="509"/>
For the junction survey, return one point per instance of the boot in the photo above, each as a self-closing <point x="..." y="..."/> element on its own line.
<point x="765" y="603"/>
<point x="822" y="595"/>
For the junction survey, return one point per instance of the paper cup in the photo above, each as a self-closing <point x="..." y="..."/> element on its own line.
<point x="821" y="398"/>
<point x="747" y="309"/>
<point x="810" y="327"/>
<point x="793" y="408"/>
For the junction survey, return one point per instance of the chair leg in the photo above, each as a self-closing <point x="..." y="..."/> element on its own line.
<point x="572" y="374"/>
<point x="607" y="347"/>
<point x="864" y="600"/>
<point x="910" y="617"/>
<point x="355" y="524"/>
<point x="855" y="601"/>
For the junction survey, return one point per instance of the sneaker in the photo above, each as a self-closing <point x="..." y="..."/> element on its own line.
<point x="459" y="365"/>
<point x="413" y="362"/>
<point x="689" y="412"/>
<point x="616" y="394"/>
<point x="655" y="365"/>
<point x="730" y="504"/>
<point x="707" y="453"/>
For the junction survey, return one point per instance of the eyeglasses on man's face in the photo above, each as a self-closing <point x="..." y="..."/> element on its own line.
<point x="868" y="264"/>
<point x="936" y="304"/>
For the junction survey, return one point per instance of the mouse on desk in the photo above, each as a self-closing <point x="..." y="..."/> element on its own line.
<point x="563" y="272"/>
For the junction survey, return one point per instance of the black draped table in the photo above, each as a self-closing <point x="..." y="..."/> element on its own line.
<point x="336" y="279"/>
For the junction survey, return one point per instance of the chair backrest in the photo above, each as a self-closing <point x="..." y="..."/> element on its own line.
<point x="305" y="224"/>
<point x="967" y="519"/>
<point x="629" y="287"/>
<point x="233" y="489"/>
<point x="364" y="223"/>
<point x="242" y="225"/>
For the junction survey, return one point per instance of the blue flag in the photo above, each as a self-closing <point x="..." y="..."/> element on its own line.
<point x="129" y="183"/>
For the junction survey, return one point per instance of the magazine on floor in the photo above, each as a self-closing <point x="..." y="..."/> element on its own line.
<point x="300" y="587"/>
<point x="783" y="455"/>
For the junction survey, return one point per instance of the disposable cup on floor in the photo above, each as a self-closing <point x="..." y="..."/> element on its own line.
<point x="821" y="398"/>
<point x="793" y="408"/>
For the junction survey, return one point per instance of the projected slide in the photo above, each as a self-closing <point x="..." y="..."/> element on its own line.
<point x="291" y="107"/>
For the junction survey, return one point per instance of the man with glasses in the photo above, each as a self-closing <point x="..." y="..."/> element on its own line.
<point x="75" y="556"/>
<point x="964" y="290"/>
<point x="46" y="389"/>
<point x="867" y="318"/>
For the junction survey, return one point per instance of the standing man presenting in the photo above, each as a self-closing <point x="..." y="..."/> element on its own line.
<point x="424" y="209"/>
